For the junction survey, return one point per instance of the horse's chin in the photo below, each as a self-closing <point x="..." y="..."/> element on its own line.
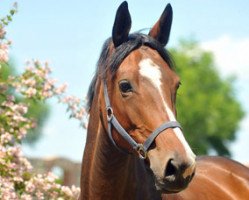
<point x="169" y="190"/>
<point x="169" y="187"/>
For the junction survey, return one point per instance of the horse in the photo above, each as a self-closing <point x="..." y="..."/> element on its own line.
<point x="135" y="148"/>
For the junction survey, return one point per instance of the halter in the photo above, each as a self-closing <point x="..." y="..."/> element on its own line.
<point x="142" y="149"/>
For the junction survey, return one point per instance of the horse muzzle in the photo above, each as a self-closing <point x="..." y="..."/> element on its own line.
<point x="175" y="176"/>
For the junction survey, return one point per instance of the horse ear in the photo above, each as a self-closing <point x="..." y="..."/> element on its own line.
<point x="161" y="30"/>
<point x="122" y="25"/>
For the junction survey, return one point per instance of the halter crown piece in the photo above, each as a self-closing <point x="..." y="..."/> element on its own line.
<point x="142" y="149"/>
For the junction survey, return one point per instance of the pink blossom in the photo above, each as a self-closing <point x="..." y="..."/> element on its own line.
<point x="67" y="191"/>
<point x="30" y="187"/>
<point x="39" y="195"/>
<point x="20" y="108"/>
<point x="29" y="82"/>
<point x="26" y="197"/>
<point x="61" y="89"/>
<point x="4" y="53"/>
<point x="5" y="138"/>
<point x="30" y="92"/>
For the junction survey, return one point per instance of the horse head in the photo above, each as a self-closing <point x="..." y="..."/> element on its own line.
<point x="139" y="88"/>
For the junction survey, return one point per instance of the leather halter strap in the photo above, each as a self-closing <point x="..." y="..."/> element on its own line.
<point x="140" y="148"/>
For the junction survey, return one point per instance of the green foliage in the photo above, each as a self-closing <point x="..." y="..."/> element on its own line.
<point x="207" y="106"/>
<point x="38" y="110"/>
<point x="4" y="21"/>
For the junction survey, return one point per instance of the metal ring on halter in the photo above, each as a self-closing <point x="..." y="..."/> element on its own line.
<point x="141" y="151"/>
<point x="109" y="113"/>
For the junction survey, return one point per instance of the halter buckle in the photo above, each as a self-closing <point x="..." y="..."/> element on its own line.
<point x="141" y="151"/>
<point x="109" y="113"/>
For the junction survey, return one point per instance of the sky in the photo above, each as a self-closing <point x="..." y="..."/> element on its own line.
<point x="69" y="35"/>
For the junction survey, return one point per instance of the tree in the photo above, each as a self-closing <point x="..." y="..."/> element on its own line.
<point x="18" y="95"/>
<point x="17" y="178"/>
<point x="38" y="110"/>
<point x="207" y="106"/>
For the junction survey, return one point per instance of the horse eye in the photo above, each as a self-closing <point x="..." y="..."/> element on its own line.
<point x="125" y="86"/>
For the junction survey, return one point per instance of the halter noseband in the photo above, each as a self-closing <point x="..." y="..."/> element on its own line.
<point x="140" y="148"/>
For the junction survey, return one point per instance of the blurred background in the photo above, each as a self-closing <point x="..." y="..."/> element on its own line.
<point x="209" y="42"/>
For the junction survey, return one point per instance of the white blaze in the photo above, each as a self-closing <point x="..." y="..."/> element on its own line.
<point x="151" y="71"/>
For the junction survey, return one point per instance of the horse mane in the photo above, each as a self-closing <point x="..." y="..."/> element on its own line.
<point x="111" y="59"/>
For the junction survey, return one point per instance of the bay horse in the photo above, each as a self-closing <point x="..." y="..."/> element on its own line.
<point x="135" y="148"/>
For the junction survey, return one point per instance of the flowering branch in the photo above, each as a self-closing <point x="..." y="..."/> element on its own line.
<point x="4" y="43"/>
<point x="17" y="179"/>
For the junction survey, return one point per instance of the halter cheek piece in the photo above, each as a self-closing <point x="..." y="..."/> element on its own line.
<point x="140" y="148"/>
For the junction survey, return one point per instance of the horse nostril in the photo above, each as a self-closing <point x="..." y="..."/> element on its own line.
<point x="179" y="171"/>
<point x="171" y="168"/>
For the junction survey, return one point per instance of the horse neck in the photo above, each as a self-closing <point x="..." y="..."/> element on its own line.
<point x="106" y="172"/>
